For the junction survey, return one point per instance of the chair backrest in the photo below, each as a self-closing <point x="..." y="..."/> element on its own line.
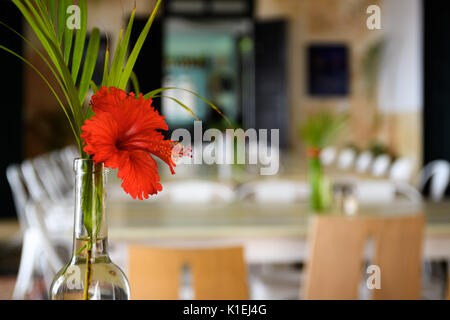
<point x="35" y="215"/>
<point x="439" y="173"/>
<point x="275" y="191"/>
<point x="335" y="267"/>
<point x="346" y="158"/>
<point x="401" y="170"/>
<point x="67" y="156"/>
<point x="328" y="155"/>
<point x="47" y="172"/>
<point x="217" y="273"/>
<point x="364" y="161"/>
<point x="19" y="192"/>
<point x="32" y="181"/>
<point x="399" y="256"/>
<point x="381" y="165"/>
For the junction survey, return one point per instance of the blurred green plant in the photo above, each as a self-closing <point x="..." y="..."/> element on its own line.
<point x="318" y="131"/>
<point x="322" y="128"/>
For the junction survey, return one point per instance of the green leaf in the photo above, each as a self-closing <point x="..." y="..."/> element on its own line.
<point x="52" y="10"/>
<point x="124" y="48"/>
<point x="68" y="37"/>
<point x="62" y="7"/>
<point x="181" y="104"/>
<point x="67" y="79"/>
<point x="155" y="92"/>
<point x="137" y="48"/>
<point x="93" y="86"/>
<point x="112" y="76"/>
<point x="49" y="65"/>
<point x="42" y="36"/>
<point x="52" y="48"/>
<point x="80" y="40"/>
<point x="106" y="66"/>
<point x="50" y="87"/>
<point x="41" y="21"/>
<point x="135" y="82"/>
<point x="89" y="64"/>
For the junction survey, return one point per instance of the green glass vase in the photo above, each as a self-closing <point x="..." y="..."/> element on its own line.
<point x="320" y="186"/>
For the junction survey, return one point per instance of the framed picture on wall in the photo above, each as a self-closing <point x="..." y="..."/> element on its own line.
<point x="328" y="70"/>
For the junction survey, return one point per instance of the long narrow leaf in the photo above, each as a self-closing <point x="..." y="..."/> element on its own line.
<point x="50" y="87"/>
<point x="155" y="92"/>
<point x="181" y="104"/>
<point x="42" y="22"/>
<point x="62" y="7"/>
<point x="68" y="38"/>
<point x="43" y="38"/>
<point x="135" y="82"/>
<point x="80" y="40"/>
<point x="52" y="10"/>
<point x="46" y="14"/>
<point x="106" y="66"/>
<point x="124" y="47"/>
<point x="53" y="51"/>
<point x="137" y="48"/>
<point x="49" y="65"/>
<point x="112" y="76"/>
<point x="71" y="89"/>
<point x="89" y="64"/>
<point x="93" y="86"/>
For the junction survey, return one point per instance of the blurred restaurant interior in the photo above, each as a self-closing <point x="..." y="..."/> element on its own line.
<point x="267" y="64"/>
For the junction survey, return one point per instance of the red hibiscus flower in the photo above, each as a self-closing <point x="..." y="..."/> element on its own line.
<point x="124" y="134"/>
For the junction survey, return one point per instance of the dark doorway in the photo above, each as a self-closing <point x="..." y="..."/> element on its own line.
<point x="12" y="99"/>
<point x="271" y="111"/>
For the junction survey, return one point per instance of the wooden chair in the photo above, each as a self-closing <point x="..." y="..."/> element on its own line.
<point x="336" y="259"/>
<point x="218" y="273"/>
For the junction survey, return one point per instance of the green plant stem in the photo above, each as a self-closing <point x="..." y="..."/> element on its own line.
<point x="92" y="206"/>
<point x="88" y="273"/>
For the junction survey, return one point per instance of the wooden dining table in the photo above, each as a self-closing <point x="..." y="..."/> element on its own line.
<point x="269" y="233"/>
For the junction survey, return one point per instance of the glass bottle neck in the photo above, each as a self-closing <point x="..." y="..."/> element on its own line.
<point x="90" y="228"/>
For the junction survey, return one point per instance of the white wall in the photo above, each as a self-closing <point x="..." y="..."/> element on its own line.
<point x="400" y="87"/>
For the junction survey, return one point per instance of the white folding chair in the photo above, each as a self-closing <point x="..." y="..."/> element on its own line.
<point x="328" y="155"/>
<point x="346" y="159"/>
<point x="381" y="165"/>
<point x="47" y="173"/>
<point x="401" y="170"/>
<point x="19" y="192"/>
<point x="364" y="161"/>
<point x="32" y="182"/>
<point x="439" y="173"/>
<point x="38" y="252"/>
<point x="275" y="191"/>
<point x="45" y="217"/>
<point x="67" y="156"/>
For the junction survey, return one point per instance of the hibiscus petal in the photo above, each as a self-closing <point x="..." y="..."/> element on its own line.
<point x="139" y="173"/>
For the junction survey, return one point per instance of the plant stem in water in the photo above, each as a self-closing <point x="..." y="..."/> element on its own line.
<point x="88" y="273"/>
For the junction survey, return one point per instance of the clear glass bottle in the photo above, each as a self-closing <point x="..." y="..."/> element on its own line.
<point x="90" y="273"/>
